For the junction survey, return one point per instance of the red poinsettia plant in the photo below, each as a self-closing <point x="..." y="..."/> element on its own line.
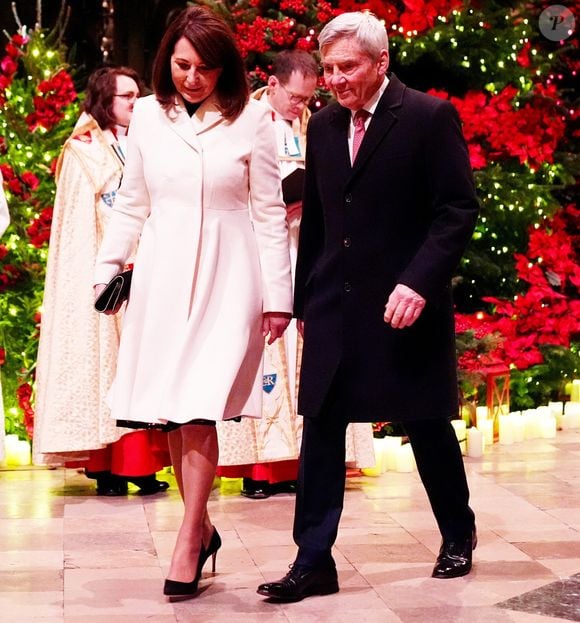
<point x="39" y="109"/>
<point x="498" y="127"/>
<point x="547" y="313"/>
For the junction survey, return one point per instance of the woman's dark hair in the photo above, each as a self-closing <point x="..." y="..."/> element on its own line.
<point x="213" y="40"/>
<point x="100" y="92"/>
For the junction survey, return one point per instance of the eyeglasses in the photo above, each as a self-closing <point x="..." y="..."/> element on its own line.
<point x="127" y="96"/>
<point x="294" y="98"/>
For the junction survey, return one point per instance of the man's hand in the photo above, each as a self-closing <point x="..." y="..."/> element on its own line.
<point x="403" y="307"/>
<point x="274" y="323"/>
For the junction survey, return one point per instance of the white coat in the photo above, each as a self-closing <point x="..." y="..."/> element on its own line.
<point x="203" y="194"/>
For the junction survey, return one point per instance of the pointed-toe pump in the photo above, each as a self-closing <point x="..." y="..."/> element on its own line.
<point x="173" y="588"/>
<point x="212" y="549"/>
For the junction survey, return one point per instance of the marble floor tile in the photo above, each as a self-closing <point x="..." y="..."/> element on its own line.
<point x="560" y="599"/>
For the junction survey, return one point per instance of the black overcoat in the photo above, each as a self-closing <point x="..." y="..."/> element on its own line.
<point x="403" y="213"/>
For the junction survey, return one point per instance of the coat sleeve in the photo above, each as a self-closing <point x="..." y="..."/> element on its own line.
<point x="131" y="208"/>
<point x="269" y="218"/>
<point x="4" y="214"/>
<point x="311" y="236"/>
<point x="454" y="205"/>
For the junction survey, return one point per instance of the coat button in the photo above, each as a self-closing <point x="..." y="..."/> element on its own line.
<point x="347" y="286"/>
<point x="348" y="198"/>
<point x="346" y="242"/>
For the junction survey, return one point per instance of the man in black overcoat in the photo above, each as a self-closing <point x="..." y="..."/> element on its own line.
<point x="389" y="207"/>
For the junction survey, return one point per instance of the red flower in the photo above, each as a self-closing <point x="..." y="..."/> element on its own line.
<point x="24" y="394"/>
<point x="56" y="94"/>
<point x="383" y="10"/>
<point x="15" y="187"/>
<point x="293" y="6"/>
<point x="12" y="50"/>
<point x="8" y="65"/>
<point x="39" y="228"/>
<point x="19" y="40"/>
<point x="30" y="180"/>
<point x="495" y="129"/>
<point x="7" y="171"/>
<point x="9" y="275"/>
<point x="420" y="15"/>
<point x="548" y="312"/>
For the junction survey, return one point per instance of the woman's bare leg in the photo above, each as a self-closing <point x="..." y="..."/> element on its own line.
<point x="199" y="457"/>
<point x="175" y="444"/>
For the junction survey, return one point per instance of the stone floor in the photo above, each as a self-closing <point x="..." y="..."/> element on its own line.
<point x="67" y="555"/>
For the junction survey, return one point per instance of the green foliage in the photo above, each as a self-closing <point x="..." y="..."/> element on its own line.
<point x="539" y="384"/>
<point x="38" y="114"/>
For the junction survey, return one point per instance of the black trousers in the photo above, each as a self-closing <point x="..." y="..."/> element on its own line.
<point x="322" y="473"/>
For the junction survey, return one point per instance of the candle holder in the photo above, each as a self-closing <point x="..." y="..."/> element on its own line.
<point x="497" y="382"/>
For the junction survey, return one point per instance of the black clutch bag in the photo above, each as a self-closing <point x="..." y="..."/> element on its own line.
<point x="116" y="291"/>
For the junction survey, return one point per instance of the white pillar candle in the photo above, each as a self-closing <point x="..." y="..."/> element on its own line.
<point x="519" y="427"/>
<point x="572" y="408"/>
<point x="379" y="445"/>
<point x="17" y="451"/>
<point x="460" y="428"/>
<point x="486" y="427"/>
<point x="557" y="409"/>
<point x="481" y="413"/>
<point x="10" y="447"/>
<point x="23" y="453"/>
<point x="377" y="469"/>
<point x="405" y="459"/>
<point x="506" y="430"/>
<point x="475" y="442"/>
<point x="391" y="452"/>
<point x="572" y="414"/>
<point x="548" y="427"/>
<point x="575" y="393"/>
<point x="530" y="425"/>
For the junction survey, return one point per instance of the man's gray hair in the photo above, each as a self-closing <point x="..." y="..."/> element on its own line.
<point x="365" y="27"/>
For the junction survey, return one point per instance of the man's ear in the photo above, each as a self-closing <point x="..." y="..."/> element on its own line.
<point x="273" y="81"/>
<point x="383" y="61"/>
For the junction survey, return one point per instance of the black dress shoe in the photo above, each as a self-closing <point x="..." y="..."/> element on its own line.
<point x="112" y="489"/>
<point x="256" y="489"/>
<point x="301" y="582"/>
<point x="108" y="484"/>
<point x="148" y="485"/>
<point x="455" y="558"/>
<point x="287" y="486"/>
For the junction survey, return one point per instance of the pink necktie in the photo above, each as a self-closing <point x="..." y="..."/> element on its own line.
<point x="359" y="131"/>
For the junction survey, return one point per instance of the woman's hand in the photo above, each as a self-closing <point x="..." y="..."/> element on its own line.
<point x="274" y="324"/>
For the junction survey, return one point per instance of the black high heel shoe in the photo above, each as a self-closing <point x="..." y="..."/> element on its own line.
<point x="212" y="549"/>
<point x="173" y="588"/>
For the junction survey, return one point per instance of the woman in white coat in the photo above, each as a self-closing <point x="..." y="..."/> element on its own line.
<point x="201" y="192"/>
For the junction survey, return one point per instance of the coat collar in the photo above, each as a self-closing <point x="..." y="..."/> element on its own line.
<point x="384" y="118"/>
<point x="188" y="128"/>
